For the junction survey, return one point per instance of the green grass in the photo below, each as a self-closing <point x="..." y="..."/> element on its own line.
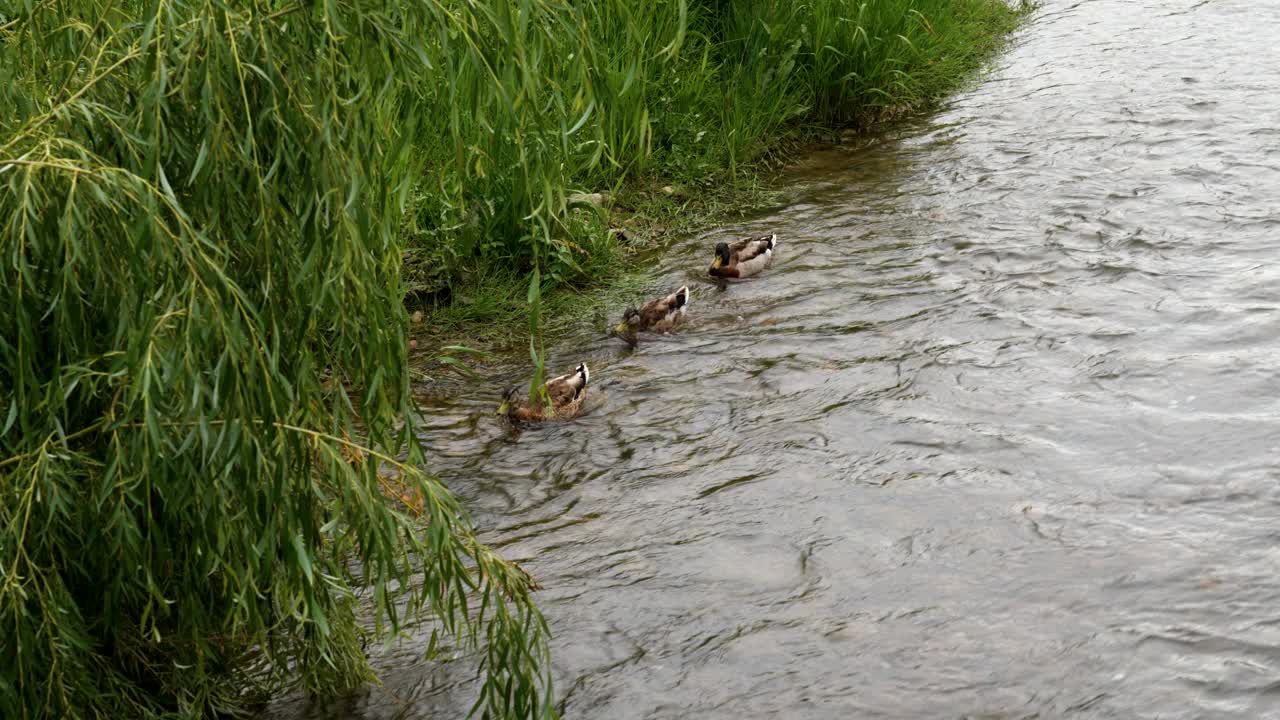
<point x="625" y="98"/>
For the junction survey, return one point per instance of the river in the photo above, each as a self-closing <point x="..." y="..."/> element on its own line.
<point x="997" y="437"/>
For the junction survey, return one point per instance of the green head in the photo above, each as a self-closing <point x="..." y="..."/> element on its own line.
<point x="722" y="258"/>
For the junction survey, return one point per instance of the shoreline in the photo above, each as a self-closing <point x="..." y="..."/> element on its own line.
<point x="488" y="313"/>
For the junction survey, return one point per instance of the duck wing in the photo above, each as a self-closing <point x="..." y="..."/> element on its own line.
<point x="662" y="313"/>
<point x="566" y="389"/>
<point x="752" y="247"/>
<point x="754" y="254"/>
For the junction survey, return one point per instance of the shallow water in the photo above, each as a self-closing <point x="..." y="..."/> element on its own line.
<point x="997" y="437"/>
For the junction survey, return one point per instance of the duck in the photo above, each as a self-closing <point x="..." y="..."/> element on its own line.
<point x="565" y="392"/>
<point x="658" y="315"/>
<point x="743" y="258"/>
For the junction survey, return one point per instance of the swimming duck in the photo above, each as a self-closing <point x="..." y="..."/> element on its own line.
<point x="566" y="394"/>
<point x="743" y="258"/>
<point x="658" y="315"/>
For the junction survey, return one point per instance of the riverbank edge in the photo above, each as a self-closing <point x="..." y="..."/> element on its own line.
<point x="648" y="213"/>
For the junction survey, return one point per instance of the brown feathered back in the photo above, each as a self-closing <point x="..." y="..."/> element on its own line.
<point x="566" y="393"/>
<point x="664" y="313"/>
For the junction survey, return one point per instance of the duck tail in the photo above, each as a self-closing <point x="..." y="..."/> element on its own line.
<point x="584" y="375"/>
<point x="773" y="240"/>
<point x="682" y="298"/>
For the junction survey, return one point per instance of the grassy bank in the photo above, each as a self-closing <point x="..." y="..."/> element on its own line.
<point x="619" y="101"/>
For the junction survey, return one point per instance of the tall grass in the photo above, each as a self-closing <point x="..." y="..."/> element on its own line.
<point x="599" y="94"/>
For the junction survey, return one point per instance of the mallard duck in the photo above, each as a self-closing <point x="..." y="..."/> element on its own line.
<point x="566" y="394"/>
<point x="658" y="315"/>
<point x="743" y="258"/>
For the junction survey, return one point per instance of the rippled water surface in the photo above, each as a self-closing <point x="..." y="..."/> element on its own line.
<point x="998" y="436"/>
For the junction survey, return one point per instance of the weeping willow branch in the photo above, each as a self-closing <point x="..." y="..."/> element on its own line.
<point x="199" y="214"/>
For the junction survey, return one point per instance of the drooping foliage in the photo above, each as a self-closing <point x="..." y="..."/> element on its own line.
<point x="206" y="455"/>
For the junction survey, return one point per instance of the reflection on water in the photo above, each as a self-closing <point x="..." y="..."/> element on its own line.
<point x="997" y="437"/>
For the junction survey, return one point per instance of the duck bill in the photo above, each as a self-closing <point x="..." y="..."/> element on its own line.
<point x="717" y="263"/>
<point x="503" y="409"/>
<point x="621" y="328"/>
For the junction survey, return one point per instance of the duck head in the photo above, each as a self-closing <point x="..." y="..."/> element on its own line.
<point x="510" y="400"/>
<point x="629" y="326"/>
<point x="630" y="320"/>
<point x="722" y="256"/>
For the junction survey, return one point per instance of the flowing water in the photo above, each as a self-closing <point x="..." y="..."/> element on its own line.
<point x="997" y="437"/>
